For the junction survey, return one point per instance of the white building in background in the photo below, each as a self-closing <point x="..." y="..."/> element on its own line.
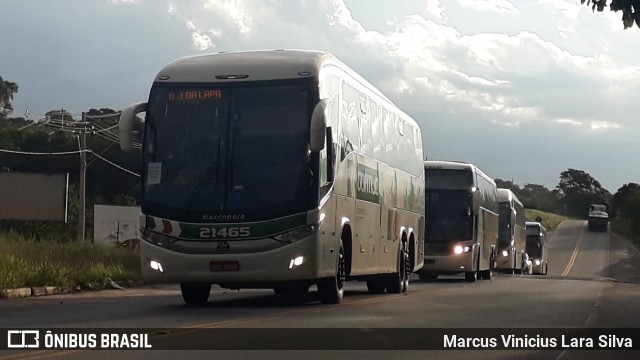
<point x="113" y="225"/>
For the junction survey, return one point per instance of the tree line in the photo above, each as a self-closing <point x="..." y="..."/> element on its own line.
<point x="576" y="190"/>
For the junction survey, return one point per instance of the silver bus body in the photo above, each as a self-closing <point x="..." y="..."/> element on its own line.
<point x="462" y="221"/>
<point x="538" y="247"/>
<point x="309" y="175"/>
<point x="512" y="236"/>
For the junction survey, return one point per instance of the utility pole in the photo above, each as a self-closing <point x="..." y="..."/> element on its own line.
<point x="82" y="139"/>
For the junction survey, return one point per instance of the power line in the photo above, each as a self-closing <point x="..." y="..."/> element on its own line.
<point x="115" y="165"/>
<point x="43" y="153"/>
<point x="75" y="152"/>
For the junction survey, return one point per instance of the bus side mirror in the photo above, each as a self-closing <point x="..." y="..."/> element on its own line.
<point x="125" y="124"/>
<point x="318" y="127"/>
<point x="331" y="157"/>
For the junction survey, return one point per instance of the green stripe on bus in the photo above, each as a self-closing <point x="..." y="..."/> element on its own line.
<point x="241" y="231"/>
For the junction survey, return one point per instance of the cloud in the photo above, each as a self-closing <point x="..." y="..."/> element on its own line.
<point x="233" y="10"/>
<point x="496" y="6"/>
<point x="201" y="41"/>
<point x="435" y="9"/>
<point x="548" y="69"/>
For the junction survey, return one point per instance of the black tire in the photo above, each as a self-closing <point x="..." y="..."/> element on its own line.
<point x="470" y="276"/>
<point x="399" y="282"/>
<point x="331" y="289"/>
<point x="195" y="293"/>
<point x="488" y="274"/>
<point x="522" y="265"/>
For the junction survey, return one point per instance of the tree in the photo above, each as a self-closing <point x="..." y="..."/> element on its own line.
<point x="630" y="9"/>
<point x="7" y="89"/>
<point x="626" y="206"/>
<point x="578" y="190"/>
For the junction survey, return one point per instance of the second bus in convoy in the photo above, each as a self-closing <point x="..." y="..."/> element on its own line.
<point x="276" y="169"/>
<point x="462" y="221"/>
<point x="512" y="237"/>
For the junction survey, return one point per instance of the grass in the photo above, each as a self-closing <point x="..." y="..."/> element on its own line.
<point x="549" y="220"/>
<point x="28" y="263"/>
<point x="626" y="229"/>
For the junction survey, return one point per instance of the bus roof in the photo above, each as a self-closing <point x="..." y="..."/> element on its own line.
<point x="455" y="165"/>
<point x="506" y="195"/>
<point x="255" y="65"/>
<point x="224" y="67"/>
<point x="535" y="224"/>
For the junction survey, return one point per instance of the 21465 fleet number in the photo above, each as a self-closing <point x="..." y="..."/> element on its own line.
<point x="225" y="232"/>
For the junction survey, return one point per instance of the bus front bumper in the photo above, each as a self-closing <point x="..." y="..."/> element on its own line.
<point x="505" y="262"/>
<point x="294" y="262"/>
<point x="448" y="264"/>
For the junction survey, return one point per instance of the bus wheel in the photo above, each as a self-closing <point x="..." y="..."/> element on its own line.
<point x="332" y="289"/>
<point x="473" y="275"/>
<point x="399" y="282"/>
<point x="195" y="293"/>
<point x="487" y="274"/>
<point x="522" y="266"/>
<point x="470" y="276"/>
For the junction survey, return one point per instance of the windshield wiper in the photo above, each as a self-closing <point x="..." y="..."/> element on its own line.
<point x="211" y="171"/>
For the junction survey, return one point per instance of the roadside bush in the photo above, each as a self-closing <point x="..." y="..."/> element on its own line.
<point x="25" y="262"/>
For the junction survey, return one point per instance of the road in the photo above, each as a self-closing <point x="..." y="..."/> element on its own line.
<point x="593" y="282"/>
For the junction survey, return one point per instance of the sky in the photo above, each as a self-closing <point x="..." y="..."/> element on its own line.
<point x="523" y="89"/>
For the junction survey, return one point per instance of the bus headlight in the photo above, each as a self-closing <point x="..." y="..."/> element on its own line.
<point x="505" y="253"/>
<point x="538" y="262"/>
<point x="297" y="234"/>
<point x="158" y="239"/>
<point x="296" y="262"/>
<point x="155" y="265"/>
<point x="459" y="249"/>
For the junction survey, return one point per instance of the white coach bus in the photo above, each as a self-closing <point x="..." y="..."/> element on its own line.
<point x="512" y="236"/>
<point x="462" y="221"/>
<point x="276" y="169"/>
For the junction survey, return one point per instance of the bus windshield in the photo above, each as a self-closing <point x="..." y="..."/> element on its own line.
<point x="534" y="246"/>
<point x="504" y="236"/>
<point x="449" y="179"/>
<point x="449" y="217"/>
<point x="222" y="149"/>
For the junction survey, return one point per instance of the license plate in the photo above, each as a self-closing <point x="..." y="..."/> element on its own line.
<point x="224" y="266"/>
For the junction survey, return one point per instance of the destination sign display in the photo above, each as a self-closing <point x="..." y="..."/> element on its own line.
<point x="191" y="95"/>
